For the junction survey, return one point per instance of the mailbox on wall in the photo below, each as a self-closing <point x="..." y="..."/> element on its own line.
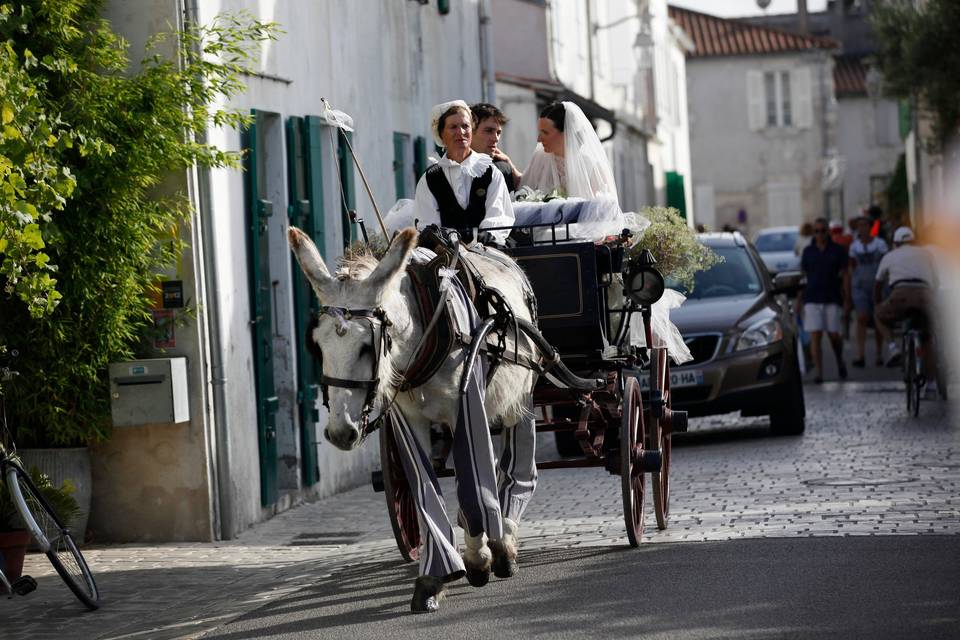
<point x="152" y="391"/>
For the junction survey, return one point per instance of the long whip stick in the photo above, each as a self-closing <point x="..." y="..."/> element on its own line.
<point x="363" y="176"/>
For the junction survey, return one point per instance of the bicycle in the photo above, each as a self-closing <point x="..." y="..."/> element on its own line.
<point x="44" y="525"/>
<point x="913" y="372"/>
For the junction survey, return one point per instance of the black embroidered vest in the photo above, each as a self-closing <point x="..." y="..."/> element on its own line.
<point x="452" y="215"/>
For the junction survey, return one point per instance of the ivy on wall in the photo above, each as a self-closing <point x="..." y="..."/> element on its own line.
<point x="91" y="143"/>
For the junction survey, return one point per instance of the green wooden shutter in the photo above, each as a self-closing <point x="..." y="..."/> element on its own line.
<point x="420" y="156"/>
<point x="348" y="182"/>
<point x="443" y="6"/>
<point x="676" y="197"/>
<point x="259" y="211"/>
<point x="301" y="215"/>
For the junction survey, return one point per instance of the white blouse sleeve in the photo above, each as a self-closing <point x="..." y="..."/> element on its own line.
<point x="426" y="210"/>
<point x="499" y="208"/>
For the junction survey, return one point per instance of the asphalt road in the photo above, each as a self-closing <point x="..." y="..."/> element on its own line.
<point x="881" y="587"/>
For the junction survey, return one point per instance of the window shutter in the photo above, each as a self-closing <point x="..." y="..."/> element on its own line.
<point x="348" y="184"/>
<point x="399" y="165"/>
<point x="802" y="98"/>
<point x="756" y="114"/>
<point x="419" y="156"/>
<point x="313" y="148"/>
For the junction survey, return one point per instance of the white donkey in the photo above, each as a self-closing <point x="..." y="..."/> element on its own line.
<point x="368" y="333"/>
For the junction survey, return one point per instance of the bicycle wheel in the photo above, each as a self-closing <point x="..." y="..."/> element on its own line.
<point x="909" y="366"/>
<point x="60" y="547"/>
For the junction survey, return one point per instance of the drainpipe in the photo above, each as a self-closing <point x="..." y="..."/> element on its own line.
<point x="201" y="178"/>
<point x="590" y="49"/>
<point x="487" y="72"/>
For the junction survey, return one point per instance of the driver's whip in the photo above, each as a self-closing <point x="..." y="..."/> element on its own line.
<point x="363" y="177"/>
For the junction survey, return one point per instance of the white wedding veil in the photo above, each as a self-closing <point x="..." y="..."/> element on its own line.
<point x="585" y="171"/>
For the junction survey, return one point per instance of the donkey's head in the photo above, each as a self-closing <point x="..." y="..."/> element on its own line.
<point x="351" y="331"/>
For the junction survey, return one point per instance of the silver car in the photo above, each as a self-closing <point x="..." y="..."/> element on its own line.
<point x="776" y="248"/>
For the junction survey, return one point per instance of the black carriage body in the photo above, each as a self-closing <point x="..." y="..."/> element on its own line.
<point x="571" y="281"/>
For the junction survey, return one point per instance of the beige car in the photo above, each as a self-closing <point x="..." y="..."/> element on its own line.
<point x="740" y="328"/>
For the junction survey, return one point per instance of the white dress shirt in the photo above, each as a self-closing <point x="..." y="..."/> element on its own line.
<point x="460" y="175"/>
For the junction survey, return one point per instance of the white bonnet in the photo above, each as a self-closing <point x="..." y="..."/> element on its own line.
<point x="439" y="110"/>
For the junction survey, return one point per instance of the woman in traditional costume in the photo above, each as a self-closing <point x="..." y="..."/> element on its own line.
<point x="463" y="190"/>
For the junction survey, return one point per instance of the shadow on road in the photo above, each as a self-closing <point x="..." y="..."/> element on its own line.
<point x="812" y="587"/>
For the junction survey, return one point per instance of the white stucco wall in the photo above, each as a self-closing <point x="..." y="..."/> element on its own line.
<point x="868" y="138"/>
<point x="384" y="63"/>
<point x="757" y="170"/>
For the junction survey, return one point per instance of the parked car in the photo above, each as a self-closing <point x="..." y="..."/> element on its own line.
<point x="776" y="247"/>
<point x="739" y="326"/>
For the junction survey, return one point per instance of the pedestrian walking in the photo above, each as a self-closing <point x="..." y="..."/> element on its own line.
<point x="826" y="295"/>
<point x="865" y="254"/>
<point x="804" y="238"/>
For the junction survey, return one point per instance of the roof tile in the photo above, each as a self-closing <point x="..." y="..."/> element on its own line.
<point x="713" y="36"/>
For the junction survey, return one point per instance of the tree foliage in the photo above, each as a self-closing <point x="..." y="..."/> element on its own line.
<point x="920" y="57"/>
<point x="104" y="218"/>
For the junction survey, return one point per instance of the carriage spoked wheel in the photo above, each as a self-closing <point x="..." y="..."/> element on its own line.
<point x="659" y="438"/>
<point x="631" y="470"/>
<point x="400" y="505"/>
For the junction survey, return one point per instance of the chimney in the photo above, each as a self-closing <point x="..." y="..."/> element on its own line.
<point x="802" y="26"/>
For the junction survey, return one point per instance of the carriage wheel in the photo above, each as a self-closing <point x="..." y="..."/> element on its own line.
<point x="401" y="508"/>
<point x="631" y="473"/>
<point x="660" y="480"/>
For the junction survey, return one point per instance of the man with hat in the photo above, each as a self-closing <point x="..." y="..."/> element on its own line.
<point x="909" y="272"/>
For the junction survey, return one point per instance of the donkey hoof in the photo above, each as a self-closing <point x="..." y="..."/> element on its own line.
<point x="504" y="566"/>
<point x="427" y="593"/>
<point x="478" y="577"/>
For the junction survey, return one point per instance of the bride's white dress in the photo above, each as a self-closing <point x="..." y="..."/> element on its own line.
<point x="584" y="177"/>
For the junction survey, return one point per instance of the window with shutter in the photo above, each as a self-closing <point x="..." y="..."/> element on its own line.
<point x="802" y="97"/>
<point x="756" y="113"/>
<point x="786" y="113"/>
<point x="770" y="97"/>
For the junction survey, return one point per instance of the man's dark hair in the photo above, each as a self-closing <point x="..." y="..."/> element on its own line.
<point x="556" y="113"/>
<point x="822" y="221"/>
<point x="483" y="110"/>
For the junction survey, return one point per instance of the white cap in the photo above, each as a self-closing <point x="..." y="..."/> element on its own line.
<point x="439" y="110"/>
<point x="836" y="224"/>
<point x="902" y="234"/>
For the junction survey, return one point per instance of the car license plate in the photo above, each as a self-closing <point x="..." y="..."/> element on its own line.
<point x="688" y="378"/>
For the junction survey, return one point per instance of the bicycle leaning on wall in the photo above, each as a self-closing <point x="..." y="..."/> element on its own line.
<point x="43" y="523"/>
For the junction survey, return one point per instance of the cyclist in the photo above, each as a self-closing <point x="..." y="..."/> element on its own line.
<point x="908" y="269"/>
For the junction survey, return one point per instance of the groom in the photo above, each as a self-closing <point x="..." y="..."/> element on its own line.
<point x="488" y="123"/>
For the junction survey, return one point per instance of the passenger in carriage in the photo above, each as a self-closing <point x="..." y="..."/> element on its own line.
<point x="488" y="124"/>
<point x="569" y="157"/>
<point x="463" y="190"/>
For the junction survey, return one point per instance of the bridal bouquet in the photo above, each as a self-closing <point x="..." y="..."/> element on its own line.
<point x="528" y="194"/>
<point x="674" y="245"/>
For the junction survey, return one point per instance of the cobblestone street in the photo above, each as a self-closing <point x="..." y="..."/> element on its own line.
<point x="862" y="469"/>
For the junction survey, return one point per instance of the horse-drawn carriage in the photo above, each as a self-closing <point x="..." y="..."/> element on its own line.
<point x="611" y="395"/>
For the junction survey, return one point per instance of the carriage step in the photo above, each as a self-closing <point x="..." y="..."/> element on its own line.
<point x="376" y="479"/>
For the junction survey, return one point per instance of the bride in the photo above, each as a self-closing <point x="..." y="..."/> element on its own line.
<point x="569" y="158"/>
<point x="569" y="162"/>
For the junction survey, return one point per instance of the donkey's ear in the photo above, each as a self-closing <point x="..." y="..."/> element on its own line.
<point x="395" y="260"/>
<point x="309" y="258"/>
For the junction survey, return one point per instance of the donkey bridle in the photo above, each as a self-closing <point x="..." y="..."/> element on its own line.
<point x="378" y="322"/>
